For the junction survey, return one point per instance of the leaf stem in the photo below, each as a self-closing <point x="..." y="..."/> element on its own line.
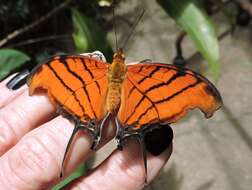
<point x="32" y="25"/>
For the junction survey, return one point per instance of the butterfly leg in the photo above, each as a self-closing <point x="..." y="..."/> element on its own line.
<point x="119" y="134"/>
<point x="122" y="134"/>
<point x="96" y="54"/>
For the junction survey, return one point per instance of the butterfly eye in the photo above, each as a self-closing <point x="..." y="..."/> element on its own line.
<point x="119" y="55"/>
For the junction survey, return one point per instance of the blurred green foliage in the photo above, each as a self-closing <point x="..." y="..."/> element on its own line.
<point x="88" y="36"/>
<point x="192" y="18"/>
<point x="14" y="58"/>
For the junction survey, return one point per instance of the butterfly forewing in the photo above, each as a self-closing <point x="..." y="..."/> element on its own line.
<point x="155" y="92"/>
<point x="77" y="83"/>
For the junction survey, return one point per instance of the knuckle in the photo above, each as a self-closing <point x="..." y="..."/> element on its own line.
<point x="132" y="170"/>
<point x="4" y="95"/>
<point x="11" y="126"/>
<point x="38" y="154"/>
<point x="7" y="133"/>
<point x="34" y="161"/>
<point x="136" y="175"/>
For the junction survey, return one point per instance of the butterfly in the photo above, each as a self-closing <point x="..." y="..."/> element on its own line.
<point x="89" y="91"/>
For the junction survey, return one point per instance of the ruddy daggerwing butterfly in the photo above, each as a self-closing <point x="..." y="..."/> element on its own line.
<point x="90" y="91"/>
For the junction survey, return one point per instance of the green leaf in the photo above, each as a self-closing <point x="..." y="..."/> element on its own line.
<point x="189" y="15"/>
<point x="88" y="36"/>
<point x="80" y="171"/>
<point x="11" y="59"/>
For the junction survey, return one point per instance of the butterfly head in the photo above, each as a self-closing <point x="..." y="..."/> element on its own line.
<point x="119" y="55"/>
<point x="118" y="67"/>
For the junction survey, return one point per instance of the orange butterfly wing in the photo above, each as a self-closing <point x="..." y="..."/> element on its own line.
<point x="77" y="83"/>
<point x="155" y="92"/>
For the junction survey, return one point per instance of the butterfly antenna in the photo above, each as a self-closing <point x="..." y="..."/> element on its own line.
<point x="114" y="25"/>
<point x="133" y="28"/>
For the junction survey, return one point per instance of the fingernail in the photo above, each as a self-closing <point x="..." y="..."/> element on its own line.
<point x="18" y="80"/>
<point x="158" y="139"/>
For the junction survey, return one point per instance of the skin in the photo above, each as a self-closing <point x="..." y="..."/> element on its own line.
<point x="33" y="140"/>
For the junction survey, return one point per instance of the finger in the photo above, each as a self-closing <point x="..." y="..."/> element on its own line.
<point x="21" y="115"/>
<point x="6" y="94"/>
<point x="123" y="170"/>
<point x="35" y="162"/>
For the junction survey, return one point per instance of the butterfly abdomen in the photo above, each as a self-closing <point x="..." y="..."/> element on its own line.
<point x="116" y="75"/>
<point x="113" y="97"/>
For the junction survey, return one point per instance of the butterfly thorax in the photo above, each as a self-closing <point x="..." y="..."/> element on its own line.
<point x="116" y="75"/>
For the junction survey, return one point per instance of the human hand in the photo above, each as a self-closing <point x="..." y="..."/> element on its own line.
<point x="33" y="140"/>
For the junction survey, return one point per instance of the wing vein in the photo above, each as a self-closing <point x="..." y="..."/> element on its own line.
<point x="83" y="61"/>
<point x="178" y="92"/>
<point x="140" y="101"/>
<point x="65" y="85"/>
<point x="65" y="63"/>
